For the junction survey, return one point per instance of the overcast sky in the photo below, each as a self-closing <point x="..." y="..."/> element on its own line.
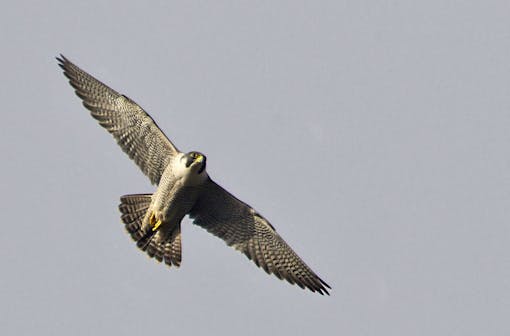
<point x="374" y="135"/>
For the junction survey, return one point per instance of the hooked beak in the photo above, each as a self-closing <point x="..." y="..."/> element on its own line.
<point x="190" y="160"/>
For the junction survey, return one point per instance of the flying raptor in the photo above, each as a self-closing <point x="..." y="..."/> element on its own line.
<point x="183" y="188"/>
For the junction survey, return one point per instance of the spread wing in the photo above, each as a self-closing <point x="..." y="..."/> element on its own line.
<point x="244" y="229"/>
<point x="135" y="131"/>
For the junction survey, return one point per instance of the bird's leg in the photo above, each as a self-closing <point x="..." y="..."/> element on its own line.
<point x="154" y="222"/>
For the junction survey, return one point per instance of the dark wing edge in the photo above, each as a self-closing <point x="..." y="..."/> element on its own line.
<point x="133" y="129"/>
<point x="242" y="228"/>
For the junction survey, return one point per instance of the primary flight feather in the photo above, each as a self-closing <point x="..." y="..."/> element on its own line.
<point x="183" y="188"/>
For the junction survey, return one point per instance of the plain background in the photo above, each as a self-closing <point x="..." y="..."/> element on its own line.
<point x="374" y="135"/>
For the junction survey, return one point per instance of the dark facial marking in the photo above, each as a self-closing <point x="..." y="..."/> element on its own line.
<point x="203" y="165"/>
<point x="189" y="159"/>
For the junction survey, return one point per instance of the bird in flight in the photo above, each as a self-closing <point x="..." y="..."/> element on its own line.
<point x="183" y="188"/>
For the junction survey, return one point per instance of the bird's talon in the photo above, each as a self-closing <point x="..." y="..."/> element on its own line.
<point x="155" y="223"/>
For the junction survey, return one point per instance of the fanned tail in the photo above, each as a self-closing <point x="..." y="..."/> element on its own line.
<point x="163" y="245"/>
<point x="168" y="248"/>
<point x="133" y="209"/>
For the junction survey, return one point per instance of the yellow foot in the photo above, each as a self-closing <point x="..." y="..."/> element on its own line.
<point x="155" y="223"/>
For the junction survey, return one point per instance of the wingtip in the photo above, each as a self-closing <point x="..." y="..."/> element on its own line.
<point x="326" y="291"/>
<point x="62" y="61"/>
<point x="326" y="285"/>
<point x="323" y="291"/>
<point x="323" y="287"/>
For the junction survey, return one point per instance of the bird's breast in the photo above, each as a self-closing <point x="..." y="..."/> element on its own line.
<point x="177" y="191"/>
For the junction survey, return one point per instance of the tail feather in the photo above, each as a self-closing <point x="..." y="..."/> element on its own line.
<point x="173" y="248"/>
<point x="133" y="209"/>
<point x="166" y="247"/>
<point x="163" y="246"/>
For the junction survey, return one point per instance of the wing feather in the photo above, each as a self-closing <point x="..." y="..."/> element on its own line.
<point x="241" y="227"/>
<point x="133" y="129"/>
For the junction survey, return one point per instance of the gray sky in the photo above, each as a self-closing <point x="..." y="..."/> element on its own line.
<point x="374" y="135"/>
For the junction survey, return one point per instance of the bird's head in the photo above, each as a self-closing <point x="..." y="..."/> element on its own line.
<point x="195" y="161"/>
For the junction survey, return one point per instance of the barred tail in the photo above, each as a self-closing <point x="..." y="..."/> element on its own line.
<point x="133" y="209"/>
<point x="161" y="245"/>
<point x="168" y="249"/>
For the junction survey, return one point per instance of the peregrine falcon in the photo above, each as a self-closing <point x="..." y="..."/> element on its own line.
<point x="183" y="188"/>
